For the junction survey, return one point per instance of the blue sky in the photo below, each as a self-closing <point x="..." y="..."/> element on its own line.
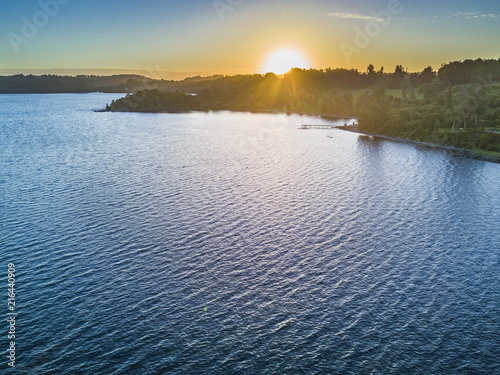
<point x="179" y="38"/>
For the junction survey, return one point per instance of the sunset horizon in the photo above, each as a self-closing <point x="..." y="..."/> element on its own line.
<point x="174" y="41"/>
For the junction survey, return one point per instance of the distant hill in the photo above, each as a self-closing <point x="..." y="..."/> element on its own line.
<point x="68" y="84"/>
<point x="125" y="83"/>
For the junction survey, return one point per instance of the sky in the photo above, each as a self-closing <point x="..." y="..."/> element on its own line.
<point x="176" y="39"/>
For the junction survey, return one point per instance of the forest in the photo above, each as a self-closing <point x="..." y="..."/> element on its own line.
<point x="457" y="106"/>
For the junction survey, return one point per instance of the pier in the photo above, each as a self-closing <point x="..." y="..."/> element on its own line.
<point x="318" y="126"/>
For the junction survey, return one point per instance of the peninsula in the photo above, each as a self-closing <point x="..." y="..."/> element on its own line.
<point x="457" y="106"/>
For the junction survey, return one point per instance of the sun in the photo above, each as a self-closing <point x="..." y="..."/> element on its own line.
<point x="281" y="61"/>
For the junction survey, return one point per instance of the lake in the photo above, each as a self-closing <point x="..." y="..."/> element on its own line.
<point x="235" y="243"/>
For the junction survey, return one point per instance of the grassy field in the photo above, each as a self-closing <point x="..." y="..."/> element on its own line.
<point x="493" y="129"/>
<point x="397" y="93"/>
<point x="489" y="129"/>
<point x="487" y="153"/>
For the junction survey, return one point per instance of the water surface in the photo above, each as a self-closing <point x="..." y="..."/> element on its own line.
<point x="234" y="243"/>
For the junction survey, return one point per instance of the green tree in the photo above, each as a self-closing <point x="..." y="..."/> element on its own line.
<point x="399" y="72"/>
<point x="427" y="75"/>
<point x="397" y="77"/>
<point x="374" y="117"/>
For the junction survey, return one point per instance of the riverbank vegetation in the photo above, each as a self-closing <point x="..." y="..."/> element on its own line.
<point x="459" y="107"/>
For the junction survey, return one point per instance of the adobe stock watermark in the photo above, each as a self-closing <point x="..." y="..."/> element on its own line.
<point x="223" y="6"/>
<point x="30" y="27"/>
<point x="373" y="28"/>
<point x="11" y="314"/>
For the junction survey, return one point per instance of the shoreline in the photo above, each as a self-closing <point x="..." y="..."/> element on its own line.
<point x="455" y="150"/>
<point x="265" y="111"/>
<point x="350" y="128"/>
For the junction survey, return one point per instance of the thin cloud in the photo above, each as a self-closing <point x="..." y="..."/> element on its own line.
<point x="354" y="16"/>
<point x="474" y="15"/>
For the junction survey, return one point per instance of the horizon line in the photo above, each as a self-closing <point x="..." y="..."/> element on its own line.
<point x="158" y="74"/>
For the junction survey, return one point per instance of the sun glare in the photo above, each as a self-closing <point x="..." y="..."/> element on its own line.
<point x="280" y="62"/>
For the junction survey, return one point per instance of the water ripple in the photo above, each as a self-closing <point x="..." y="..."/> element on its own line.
<point x="153" y="244"/>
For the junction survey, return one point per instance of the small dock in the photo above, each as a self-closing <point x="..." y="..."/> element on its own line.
<point x="318" y="127"/>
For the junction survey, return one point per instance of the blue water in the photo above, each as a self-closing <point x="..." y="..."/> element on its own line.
<point x="234" y="243"/>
